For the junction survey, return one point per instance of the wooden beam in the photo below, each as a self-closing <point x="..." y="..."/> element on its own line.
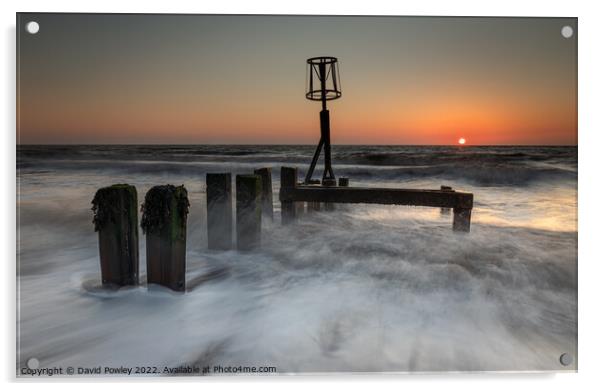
<point x="446" y="197"/>
<point x="364" y="195"/>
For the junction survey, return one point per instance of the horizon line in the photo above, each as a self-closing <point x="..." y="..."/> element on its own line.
<point x="300" y="144"/>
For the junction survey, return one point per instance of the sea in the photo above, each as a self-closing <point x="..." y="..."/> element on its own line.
<point x="363" y="288"/>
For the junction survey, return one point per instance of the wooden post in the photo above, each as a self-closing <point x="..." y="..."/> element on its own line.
<point x="288" y="180"/>
<point x="344" y="182"/>
<point x="313" y="206"/>
<point x="219" y="211"/>
<point x="248" y="212"/>
<point x="299" y="208"/>
<point x="267" y="202"/>
<point x="462" y="219"/>
<point x="116" y="221"/>
<point x="329" y="206"/>
<point x="445" y="211"/>
<point x="164" y="215"/>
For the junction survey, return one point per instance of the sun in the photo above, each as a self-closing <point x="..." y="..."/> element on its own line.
<point x="462" y="141"/>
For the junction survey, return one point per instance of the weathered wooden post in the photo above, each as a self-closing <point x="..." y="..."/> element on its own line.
<point x="267" y="202"/>
<point x="116" y="221"/>
<point x="248" y="212"/>
<point x="288" y="181"/>
<point x="299" y="208"/>
<point x="219" y="211"/>
<point x="462" y="219"/>
<point x="343" y="182"/>
<point x="313" y="206"/>
<point x="329" y="206"/>
<point x="445" y="211"/>
<point x="164" y="215"/>
<point x="462" y="212"/>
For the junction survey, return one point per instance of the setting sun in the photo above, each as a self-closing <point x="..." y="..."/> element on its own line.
<point x="462" y="141"/>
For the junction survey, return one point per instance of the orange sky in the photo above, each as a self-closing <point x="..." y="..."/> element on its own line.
<point x="233" y="79"/>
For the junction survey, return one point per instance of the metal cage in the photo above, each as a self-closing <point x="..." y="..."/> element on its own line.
<point x="323" y="79"/>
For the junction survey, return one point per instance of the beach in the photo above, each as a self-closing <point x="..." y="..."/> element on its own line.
<point x="365" y="288"/>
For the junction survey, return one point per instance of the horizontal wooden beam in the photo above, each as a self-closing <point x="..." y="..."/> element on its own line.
<point x="292" y="192"/>
<point x="364" y="195"/>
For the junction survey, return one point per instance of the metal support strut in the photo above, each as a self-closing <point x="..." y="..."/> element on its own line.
<point x="324" y="135"/>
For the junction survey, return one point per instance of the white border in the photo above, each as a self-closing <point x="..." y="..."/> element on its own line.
<point x="590" y="127"/>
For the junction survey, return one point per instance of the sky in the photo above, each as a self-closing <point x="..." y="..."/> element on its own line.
<point x="228" y="79"/>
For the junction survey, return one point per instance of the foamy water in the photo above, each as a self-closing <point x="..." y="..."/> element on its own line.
<point x="364" y="288"/>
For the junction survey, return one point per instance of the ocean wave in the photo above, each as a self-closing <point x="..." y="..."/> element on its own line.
<point x="482" y="166"/>
<point x="476" y="174"/>
<point x="482" y="174"/>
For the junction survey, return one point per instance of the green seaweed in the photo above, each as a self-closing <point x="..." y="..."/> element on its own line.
<point x="106" y="205"/>
<point x="158" y="209"/>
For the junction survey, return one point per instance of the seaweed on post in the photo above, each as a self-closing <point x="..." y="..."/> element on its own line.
<point x="116" y="221"/>
<point x="164" y="214"/>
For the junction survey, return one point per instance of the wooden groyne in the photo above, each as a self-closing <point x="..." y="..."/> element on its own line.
<point x="165" y="211"/>
<point x="165" y="208"/>
<point x="291" y="191"/>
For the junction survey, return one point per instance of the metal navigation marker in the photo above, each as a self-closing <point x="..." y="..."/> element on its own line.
<point x="324" y="72"/>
